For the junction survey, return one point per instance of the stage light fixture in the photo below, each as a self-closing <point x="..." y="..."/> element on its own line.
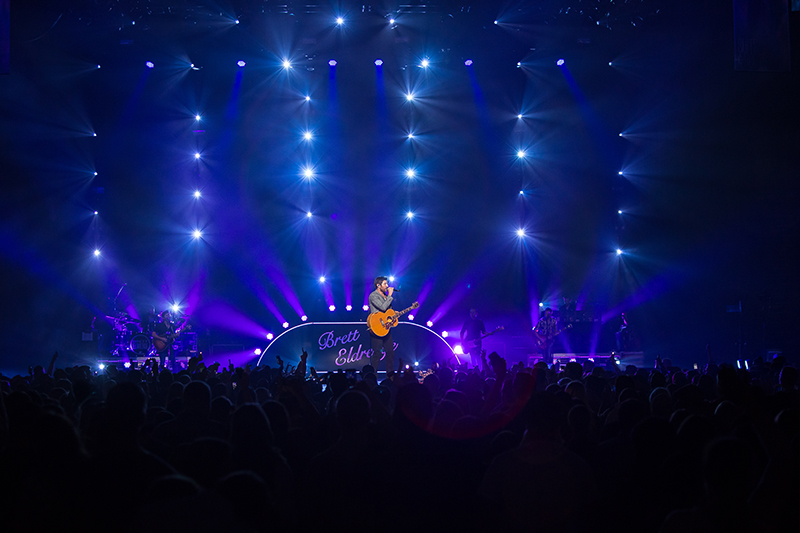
<point x="98" y="66"/>
<point x="308" y="172"/>
<point x="521" y="154"/>
<point x="378" y="62"/>
<point x="96" y="252"/>
<point x="270" y="336"/>
<point x="308" y="135"/>
<point x="541" y="304"/>
<point x="197" y="194"/>
<point x="619" y="211"/>
<point x="520" y="232"/>
<point x="620" y="173"/>
<point x="339" y="21"/>
<point x="241" y="63"/>
<point x="257" y="351"/>
<point x="519" y="116"/>
<point x="468" y="62"/>
<point x="286" y="64"/>
<point x="236" y="21"/>
<point x="197" y="234"/>
<point x="308" y="98"/>
<point x="411" y="173"/>
<point x="149" y="64"/>
<point x="365" y="307"/>
<point x="175" y="308"/>
<point x="95" y="173"/>
<point x="391" y="21"/>
<point x="309" y="214"/>
<point x="409" y="97"/>
<point x="304" y="318"/>
<point x="95" y="212"/>
<point x="521" y="193"/>
<point x="495" y="22"/>
<point x="619" y="251"/>
<point x="197" y="155"/>
<point x="349" y="307"/>
<point x="409" y="215"/>
<point x="101" y="366"/>
<point x="331" y="308"/>
<point x="197" y="118"/>
<point x="126" y="364"/>
<point x="429" y="324"/>
<point x="322" y="279"/>
<point x="410" y="135"/>
<point x="458" y="350"/>
<point x="609" y="63"/>
<point x="445" y="334"/>
<point x="560" y="62"/>
<point x="425" y="63"/>
<point x="519" y="64"/>
<point x="332" y="62"/>
<point x="391" y="279"/>
<point x="411" y="317"/>
<point x="285" y="325"/>
<point x="94" y="134"/>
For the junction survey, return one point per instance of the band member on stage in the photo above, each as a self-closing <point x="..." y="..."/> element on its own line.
<point x="380" y="300"/>
<point x="623" y="334"/>
<point x="162" y="332"/>
<point x="472" y="330"/>
<point x="150" y="320"/>
<point x="545" y="331"/>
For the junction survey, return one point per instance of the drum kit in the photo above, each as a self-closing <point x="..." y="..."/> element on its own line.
<point x="132" y="338"/>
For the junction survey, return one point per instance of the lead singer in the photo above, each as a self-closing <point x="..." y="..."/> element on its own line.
<point x="380" y="300"/>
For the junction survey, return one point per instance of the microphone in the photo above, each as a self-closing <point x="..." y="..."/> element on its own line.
<point x="395" y="289"/>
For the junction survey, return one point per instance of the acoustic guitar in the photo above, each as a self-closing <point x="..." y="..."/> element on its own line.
<point x="380" y="323"/>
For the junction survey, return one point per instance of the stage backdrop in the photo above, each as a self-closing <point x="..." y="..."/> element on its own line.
<point x="335" y="345"/>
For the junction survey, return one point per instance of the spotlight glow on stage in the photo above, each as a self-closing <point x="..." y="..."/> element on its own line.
<point x="410" y="135"/>
<point x="468" y="62"/>
<point x="101" y="366"/>
<point x="519" y="116"/>
<point x="197" y="155"/>
<point x="520" y="232"/>
<point x="619" y="211"/>
<point x="257" y="351"/>
<point x="285" y="325"/>
<point x="391" y="21"/>
<point x="560" y="62"/>
<point x="458" y="350"/>
<point x="620" y="173"/>
<point x="339" y="21"/>
<point x="322" y="279"/>
<point x="241" y="63"/>
<point x="197" y="234"/>
<point x="521" y="154"/>
<point x="304" y="318"/>
<point x="445" y="334"/>
<point x="409" y="215"/>
<point x="95" y="213"/>
<point x="378" y="62"/>
<point x="410" y="173"/>
<point x="197" y="118"/>
<point x="391" y="279"/>
<point x="411" y="317"/>
<point x="126" y="364"/>
<point x="429" y="324"/>
<point x="197" y="194"/>
<point x="308" y="135"/>
<point x="331" y="308"/>
<point x="541" y="304"/>
<point x="409" y="96"/>
<point x="425" y="63"/>
<point x="308" y="98"/>
<point x="619" y="251"/>
<point x="270" y="336"/>
<point x="149" y="64"/>
<point x="175" y="308"/>
<point x="349" y="307"/>
<point x="286" y="64"/>
<point x="308" y="172"/>
<point x="96" y="252"/>
<point x="308" y="214"/>
<point x="332" y="62"/>
<point x="521" y="193"/>
<point x="365" y="307"/>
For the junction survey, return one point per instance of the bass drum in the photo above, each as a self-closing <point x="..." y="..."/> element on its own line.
<point x="140" y="344"/>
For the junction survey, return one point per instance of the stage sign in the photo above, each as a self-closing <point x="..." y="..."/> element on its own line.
<point x="347" y="345"/>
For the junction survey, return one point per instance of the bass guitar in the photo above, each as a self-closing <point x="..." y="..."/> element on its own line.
<point x="471" y="345"/>
<point x="161" y="345"/>
<point x="544" y="342"/>
<point x="380" y="323"/>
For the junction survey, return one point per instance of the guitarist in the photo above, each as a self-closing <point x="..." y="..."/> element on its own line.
<point x="473" y="330"/>
<point x="166" y="332"/>
<point x="380" y="300"/>
<point x="546" y="330"/>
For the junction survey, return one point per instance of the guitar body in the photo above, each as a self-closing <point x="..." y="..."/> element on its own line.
<point x="381" y="322"/>
<point x="542" y="342"/>
<point x="161" y="346"/>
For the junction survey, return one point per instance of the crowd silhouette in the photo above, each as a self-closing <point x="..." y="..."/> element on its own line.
<point x="574" y="448"/>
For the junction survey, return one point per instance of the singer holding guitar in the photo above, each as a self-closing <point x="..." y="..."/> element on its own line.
<point x="546" y="330"/>
<point x="164" y="334"/>
<point x="380" y="301"/>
